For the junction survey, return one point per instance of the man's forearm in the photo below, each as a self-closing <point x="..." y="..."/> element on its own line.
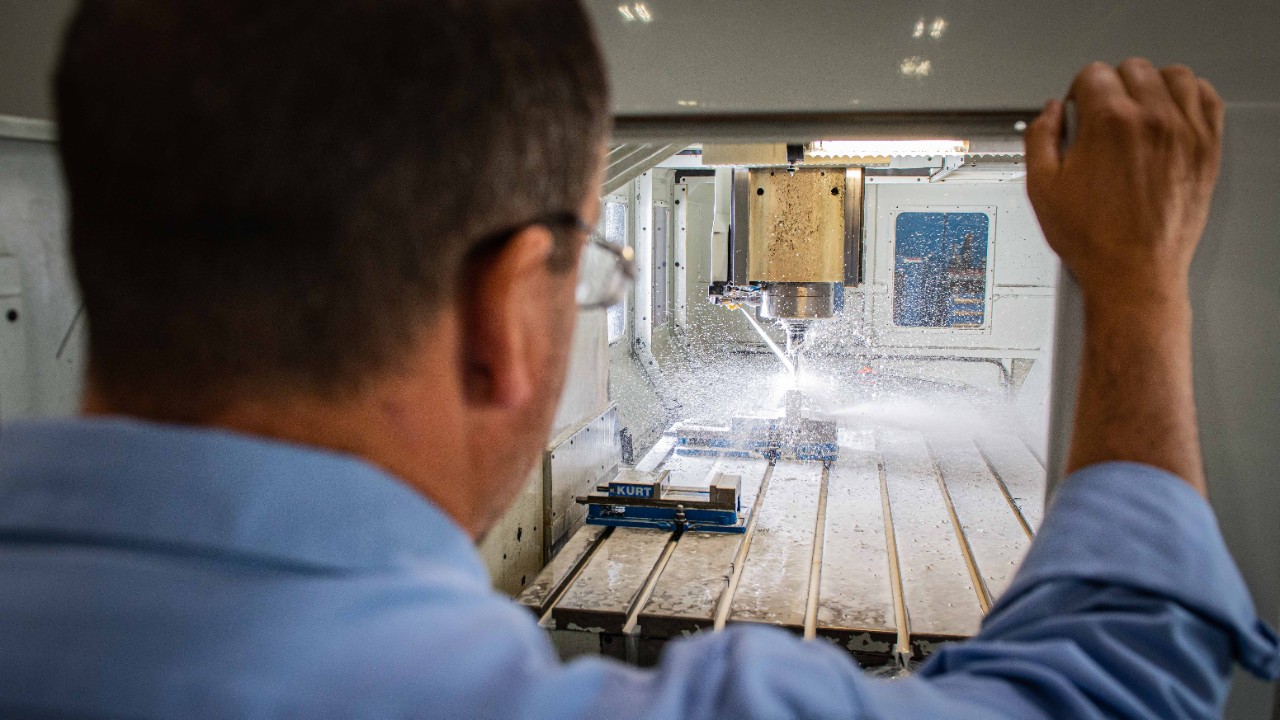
<point x="1135" y="400"/>
<point x="1124" y="207"/>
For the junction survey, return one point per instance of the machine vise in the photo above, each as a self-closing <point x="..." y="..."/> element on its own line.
<point x="648" y="500"/>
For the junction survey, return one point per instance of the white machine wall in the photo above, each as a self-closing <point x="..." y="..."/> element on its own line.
<point x="650" y="364"/>
<point x="634" y="382"/>
<point x="1023" y="268"/>
<point x="586" y="389"/>
<point x="41" y="337"/>
<point x="1023" y="275"/>
<point x="704" y="320"/>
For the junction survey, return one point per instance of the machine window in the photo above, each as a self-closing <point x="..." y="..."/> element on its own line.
<point x="940" y="269"/>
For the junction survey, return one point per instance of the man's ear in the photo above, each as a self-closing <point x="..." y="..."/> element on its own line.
<point x="497" y="325"/>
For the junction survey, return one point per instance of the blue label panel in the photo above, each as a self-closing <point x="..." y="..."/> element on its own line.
<point x="629" y="490"/>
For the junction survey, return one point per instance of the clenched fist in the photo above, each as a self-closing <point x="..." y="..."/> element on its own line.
<point x="1124" y="206"/>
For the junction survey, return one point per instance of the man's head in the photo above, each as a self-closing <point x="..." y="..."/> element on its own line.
<point x="279" y="207"/>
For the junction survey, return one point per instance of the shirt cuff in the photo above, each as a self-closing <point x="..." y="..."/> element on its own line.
<point x="1133" y="525"/>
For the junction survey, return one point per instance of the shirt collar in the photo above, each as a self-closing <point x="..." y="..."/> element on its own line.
<point x="138" y="482"/>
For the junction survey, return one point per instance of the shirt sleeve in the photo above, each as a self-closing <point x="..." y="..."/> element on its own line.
<point x="1127" y="605"/>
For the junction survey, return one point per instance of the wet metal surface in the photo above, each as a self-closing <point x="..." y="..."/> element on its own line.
<point x="602" y="595"/>
<point x="775" y="579"/>
<point x="697" y="575"/>
<point x="1020" y="471"/>
<point x="537" y="596"/>
<point x="995" y="537"/>
<point x="940" y="597"/>
<point x="855" y="594"/>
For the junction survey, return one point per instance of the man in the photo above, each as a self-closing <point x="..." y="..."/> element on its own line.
<point x="327" y="254"/>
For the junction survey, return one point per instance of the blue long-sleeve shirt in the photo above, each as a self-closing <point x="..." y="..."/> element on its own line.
<point x="150" y="571"/>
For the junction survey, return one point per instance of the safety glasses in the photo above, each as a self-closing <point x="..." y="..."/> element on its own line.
<point x="606" y="271"/>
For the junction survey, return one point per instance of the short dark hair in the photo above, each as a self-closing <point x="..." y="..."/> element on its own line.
<point x="271" y="193"/>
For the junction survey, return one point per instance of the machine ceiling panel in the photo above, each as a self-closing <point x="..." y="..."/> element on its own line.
<point x="729" y="56"/>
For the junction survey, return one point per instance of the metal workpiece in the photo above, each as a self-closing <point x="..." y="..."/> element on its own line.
<point x="793" y="405"/>
<point x="899" y="546"/>
<point x="791" y="437"/>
